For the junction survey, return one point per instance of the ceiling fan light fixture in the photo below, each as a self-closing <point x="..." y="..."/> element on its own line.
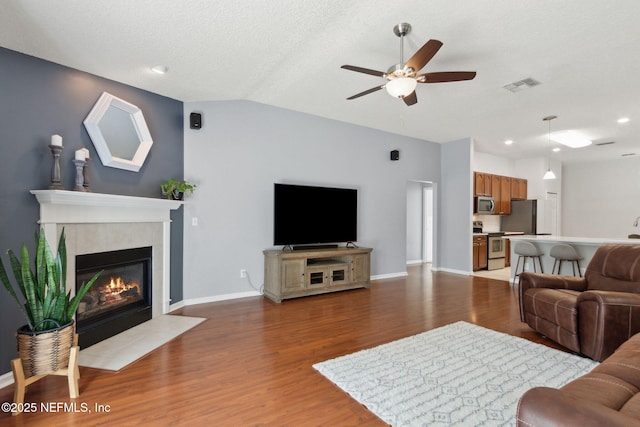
<point x="401" y="87"/>
<point x="570" y="139"/>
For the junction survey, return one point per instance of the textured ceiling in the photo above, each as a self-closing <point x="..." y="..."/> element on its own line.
<point x="288" y="53"/>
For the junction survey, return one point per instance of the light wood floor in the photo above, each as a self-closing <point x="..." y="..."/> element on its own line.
<point x="250" y="363"/>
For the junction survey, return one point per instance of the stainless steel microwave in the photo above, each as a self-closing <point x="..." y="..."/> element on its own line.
<point x="483" y="205"/>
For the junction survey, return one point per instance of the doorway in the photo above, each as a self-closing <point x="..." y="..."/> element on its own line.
<point x="420" y="222"/>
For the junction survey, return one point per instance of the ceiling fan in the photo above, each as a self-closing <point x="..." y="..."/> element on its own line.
<point x="403" y="78"/>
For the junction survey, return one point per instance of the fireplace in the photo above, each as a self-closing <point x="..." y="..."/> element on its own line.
<point x="96" y="223"/>
<point x="121" y="296"/>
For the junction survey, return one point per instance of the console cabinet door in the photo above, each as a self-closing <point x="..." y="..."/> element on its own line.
<point x="360" y="269"/>
<point x="339" y="275"/>
<point x="293" y="275"/>
<point x="317" y="277"/>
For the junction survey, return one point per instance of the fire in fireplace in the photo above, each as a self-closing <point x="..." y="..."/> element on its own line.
<point x="119" y="299"/>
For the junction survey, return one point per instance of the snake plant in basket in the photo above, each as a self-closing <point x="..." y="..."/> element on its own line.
<point x="45" y="303"/>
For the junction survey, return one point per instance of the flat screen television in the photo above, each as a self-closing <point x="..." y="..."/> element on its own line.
<point x="307" y="215"/>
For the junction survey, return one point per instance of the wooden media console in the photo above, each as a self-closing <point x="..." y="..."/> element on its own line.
<point x="299" y="273"/>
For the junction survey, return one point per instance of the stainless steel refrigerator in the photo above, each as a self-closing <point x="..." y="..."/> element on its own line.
<point x="527" y="216"/>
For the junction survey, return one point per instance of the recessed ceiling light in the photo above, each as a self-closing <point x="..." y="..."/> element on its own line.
<point x="556" y="149"/>
<point x="570" y="139"/>
<point x="508" y="142"/>
<point x="623" y="120"/>
<point x="160" y="69"/>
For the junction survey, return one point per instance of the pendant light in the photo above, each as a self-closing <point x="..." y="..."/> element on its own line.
<point x="549" y="173"/>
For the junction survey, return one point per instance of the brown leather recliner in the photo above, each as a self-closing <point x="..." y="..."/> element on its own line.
<point x="609" y="395"/>
<point x="591" y="315"/>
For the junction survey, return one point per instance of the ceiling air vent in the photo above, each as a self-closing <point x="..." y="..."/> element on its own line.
<point x="605" y="143"/>
<point x="628" y="154"/>
<point x="521" y="85"/>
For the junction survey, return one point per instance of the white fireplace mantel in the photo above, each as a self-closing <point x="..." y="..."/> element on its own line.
<point x="65" y="207"/>
<point x="96" y="222"/>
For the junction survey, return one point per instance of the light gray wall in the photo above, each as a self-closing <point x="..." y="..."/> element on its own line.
<point x="601" y="199"/>
<point x="243" y="148"/>
<point x="455" y="207"/>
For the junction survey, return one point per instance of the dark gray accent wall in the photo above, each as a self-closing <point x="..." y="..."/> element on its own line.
<point x="40" y="98"/>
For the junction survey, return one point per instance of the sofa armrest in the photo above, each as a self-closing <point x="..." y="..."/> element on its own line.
<point x="553" y="281"/>
<point x="550" y="407"/>
<point x="606" y="320"/>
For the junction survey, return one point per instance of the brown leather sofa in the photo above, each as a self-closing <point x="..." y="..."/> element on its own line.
<point x="591" y="315"/>
<point x="609" y="396"/>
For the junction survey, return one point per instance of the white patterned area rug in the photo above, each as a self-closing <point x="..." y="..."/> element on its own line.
<point x="456" y="375"/>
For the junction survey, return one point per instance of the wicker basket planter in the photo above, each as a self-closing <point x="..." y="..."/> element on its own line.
<point x="45" y="352"/>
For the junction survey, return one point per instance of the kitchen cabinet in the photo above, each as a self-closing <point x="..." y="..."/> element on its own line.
<point x="502" y="189"/>
<point x="518" y="189"/>
<point x="481" y="184"/>
<point x="480" y="252"/>
<point x="504" y="207"/>
<point x="501" y="194"/>
<point x="495" y="187"/>
<point x="507" y="252"/>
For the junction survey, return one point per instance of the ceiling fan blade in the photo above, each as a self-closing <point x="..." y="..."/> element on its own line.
<point x="411" y="99"/>
<point x="363" y="70"/>
<point x="446" y="76"/>
<point x="366" y="92"/>
<point x="424" y="55"/>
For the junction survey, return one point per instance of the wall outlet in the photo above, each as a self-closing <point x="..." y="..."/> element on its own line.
<point x="194" y="221"/>
<point x="243" y="273"/>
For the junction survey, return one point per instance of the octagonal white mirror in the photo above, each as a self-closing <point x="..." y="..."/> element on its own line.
<point x="119" y="133"/>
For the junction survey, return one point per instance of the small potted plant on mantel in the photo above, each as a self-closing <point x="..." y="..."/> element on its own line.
<point x="44" y="343"/>
<point x="174" y="189"/>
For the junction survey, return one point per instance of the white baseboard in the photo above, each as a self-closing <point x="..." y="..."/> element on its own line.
<point x="389" y="275"/>
<point x="225" y="297"/>
<point x="414" y="262"/>
<point x="452" y="270"/>
<point x="6" y="379"/>
<point x="176" y="306"/>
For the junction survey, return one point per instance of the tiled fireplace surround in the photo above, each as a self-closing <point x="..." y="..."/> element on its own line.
<point x="95" y="222"/>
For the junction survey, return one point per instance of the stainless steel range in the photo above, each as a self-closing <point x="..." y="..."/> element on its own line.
<point x="496" y="251"/>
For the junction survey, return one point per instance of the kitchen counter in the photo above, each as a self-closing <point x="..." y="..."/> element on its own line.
<point x="597" y="241"/>
<point x="585" y="246"/>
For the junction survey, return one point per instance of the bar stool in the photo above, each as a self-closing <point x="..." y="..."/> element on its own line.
<point x="526" y="250"/>
<point x="562" y="252"/>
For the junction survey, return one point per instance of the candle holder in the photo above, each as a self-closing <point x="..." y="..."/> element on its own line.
<point x="56" y="177"/>
<point x="85" y="176"/>
<point x="79" y="178"/>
